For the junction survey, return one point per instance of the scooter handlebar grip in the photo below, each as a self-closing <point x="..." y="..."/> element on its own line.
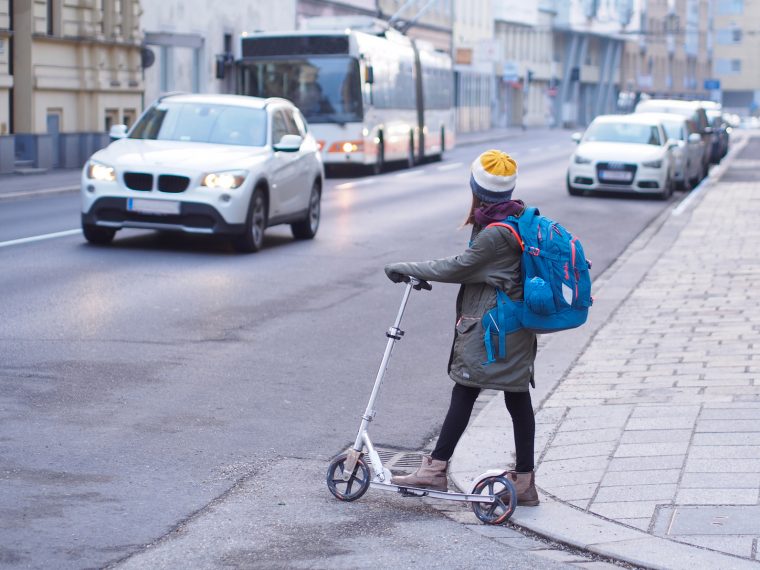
<point x="419" y="284"/>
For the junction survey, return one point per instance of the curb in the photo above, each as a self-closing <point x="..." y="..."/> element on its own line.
<point x="566" y="523"/>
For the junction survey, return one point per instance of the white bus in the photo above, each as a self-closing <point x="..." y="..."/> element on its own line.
<point x="370" y="95"/>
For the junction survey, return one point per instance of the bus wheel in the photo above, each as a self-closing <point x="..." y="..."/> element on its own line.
<point x="379" y="165"/>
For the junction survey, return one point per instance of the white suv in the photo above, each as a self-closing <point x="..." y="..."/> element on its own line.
<point x="207" y="164"/>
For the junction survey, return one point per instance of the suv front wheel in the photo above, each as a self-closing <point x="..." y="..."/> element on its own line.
<point x="97" y="235"/>
<point x="252" y="239"/>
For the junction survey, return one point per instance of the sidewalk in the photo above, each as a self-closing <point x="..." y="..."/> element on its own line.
<point x="649" y="447"/>
<point x="14" y="186"/>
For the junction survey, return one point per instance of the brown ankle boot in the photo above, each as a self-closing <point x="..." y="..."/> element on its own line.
<point x="525" y="485"/>
<point x="430" y="475"/>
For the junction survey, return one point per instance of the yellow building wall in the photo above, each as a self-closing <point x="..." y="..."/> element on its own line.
<point x="85" y="65"/>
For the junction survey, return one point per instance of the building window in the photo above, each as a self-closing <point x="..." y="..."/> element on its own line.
<point x="728" y="66"/>
<point x="730" y="7"/>
<point x="111" y="118"/>
<point x="129" y="116"/>
<point x="729" y="36"/>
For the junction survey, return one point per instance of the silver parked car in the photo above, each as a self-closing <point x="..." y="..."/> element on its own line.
<point x="687" y="155"/>
<point x="207" y="164"/>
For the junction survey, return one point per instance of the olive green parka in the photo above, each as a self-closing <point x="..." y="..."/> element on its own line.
<point x="491" y="261"/>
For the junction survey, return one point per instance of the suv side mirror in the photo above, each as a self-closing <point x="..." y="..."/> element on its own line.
<point x="117" y="132"/>
<point x="671" y="144"/>
<point x="694" y="138"/>
<point x="576" y="137"/>
<point x="708" y="130"/>
<point x="288" y="143"/>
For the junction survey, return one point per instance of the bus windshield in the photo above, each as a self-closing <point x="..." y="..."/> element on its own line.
<point x="325" y="89"/>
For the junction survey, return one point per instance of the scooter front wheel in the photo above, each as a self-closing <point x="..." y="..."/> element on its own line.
<point x="504" y="504"/>
<point x="347" y="489"/>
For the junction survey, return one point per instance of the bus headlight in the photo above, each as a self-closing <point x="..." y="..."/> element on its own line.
<point x="347" y="147"/>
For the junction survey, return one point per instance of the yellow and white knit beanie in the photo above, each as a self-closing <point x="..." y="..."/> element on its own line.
<point x="493" y="176"/>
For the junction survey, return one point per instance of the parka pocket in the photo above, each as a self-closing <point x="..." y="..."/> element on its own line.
<point x="469" y="348"/>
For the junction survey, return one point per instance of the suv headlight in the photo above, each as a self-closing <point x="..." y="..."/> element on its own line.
<point x="101" y="172"/>
<point x="652" y="163"/>
<point x="581" y="159"/>
<point x="227" y="180"/>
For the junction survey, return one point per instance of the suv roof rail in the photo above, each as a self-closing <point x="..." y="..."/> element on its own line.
<point x="170" y="94"/>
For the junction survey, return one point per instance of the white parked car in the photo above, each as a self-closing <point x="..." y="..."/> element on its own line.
<point x="687" y="156"/>
<point x="207" y="164"/>
<point x="622" y="153"/>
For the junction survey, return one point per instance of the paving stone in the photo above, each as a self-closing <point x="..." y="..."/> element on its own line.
<point x="715" y="496"/>
<point x="659" y="411"/>
<point x="656" y="436"/>
<point x="665" y="423"/>
<point x="728" y="426"/>
<point x="565" y="479"/>
<point x="732" y="413"/>
<point x="634" y="493"/>
<point x="573" y="492"/>
<point x="596" y="565"/>
<point x="646" y="463"/>
<point x="593" y="423"/>
<point x="578" y="450"/>
<point x="606" y="411"/>
<point x="745" y="438"/>
<point x="651" y="449"/>
<point x="725" y="452"/>
<point x="722" y="465"/>
<point x="651" y="476"/>
<point x="573" y="465"/>
<point x="624" y="510"/>
<point x="720" y="481"/>
<point x="598" y="435"/>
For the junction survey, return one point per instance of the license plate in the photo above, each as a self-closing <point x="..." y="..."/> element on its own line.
<point x="619" y="175"/>
<point x="165" y="207"/>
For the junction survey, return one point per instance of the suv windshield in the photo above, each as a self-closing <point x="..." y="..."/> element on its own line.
<point x="623" y="133"/>
<point x="325" y="89"/>
<point x="674" y="130"/>
<point x="203" y="122"/>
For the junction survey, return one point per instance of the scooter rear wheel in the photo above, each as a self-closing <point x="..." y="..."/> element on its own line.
<point x="502" y="508"/>
<point x="357" y="483"/>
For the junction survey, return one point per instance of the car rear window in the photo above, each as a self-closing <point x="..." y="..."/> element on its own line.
<point x="202" y="122"/>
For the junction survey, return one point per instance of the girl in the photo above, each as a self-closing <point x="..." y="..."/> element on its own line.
<point x="491" y="262"/>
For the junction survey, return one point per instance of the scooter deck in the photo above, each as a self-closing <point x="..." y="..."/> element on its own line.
<point x="422" y="492"/>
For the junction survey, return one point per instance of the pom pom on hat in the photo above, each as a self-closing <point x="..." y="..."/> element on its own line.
<point x="493" y="176"/>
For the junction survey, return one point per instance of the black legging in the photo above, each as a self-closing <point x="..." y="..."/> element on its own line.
<point x="519" y="407"/>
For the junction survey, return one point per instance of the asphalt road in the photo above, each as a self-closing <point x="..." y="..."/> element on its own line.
<point x="145" y="383"/>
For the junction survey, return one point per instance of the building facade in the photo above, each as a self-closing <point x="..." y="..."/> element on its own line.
<point x="527" y="75"/>
<point x="191" y="47"/>
<point x="475" y="55"/>
<point x="736" y="62"/>
<point x="670" y="52"/>
<point x="69" y="69"/>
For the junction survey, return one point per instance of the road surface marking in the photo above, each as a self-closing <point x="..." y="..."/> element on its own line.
<point x="40" y="237"/>
<point x="349" y="185"/>
<point x="451" y="166"/>
<point x="410" y="174"/>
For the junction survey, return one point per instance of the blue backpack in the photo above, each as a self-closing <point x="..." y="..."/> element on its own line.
<point x="556" y="283"/>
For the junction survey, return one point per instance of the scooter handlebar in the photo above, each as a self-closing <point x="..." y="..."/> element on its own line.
<point x="417" y="284"/>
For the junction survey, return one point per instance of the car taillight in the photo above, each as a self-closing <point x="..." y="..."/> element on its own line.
<point x="320" y="145"/>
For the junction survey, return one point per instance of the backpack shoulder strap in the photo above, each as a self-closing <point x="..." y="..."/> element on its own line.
<point x="511" y="228"/>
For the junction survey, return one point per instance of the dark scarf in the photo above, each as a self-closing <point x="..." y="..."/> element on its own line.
<point x="490" y="213"/>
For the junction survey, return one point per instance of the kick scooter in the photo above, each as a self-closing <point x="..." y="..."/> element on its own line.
<point x="492" y="496"/>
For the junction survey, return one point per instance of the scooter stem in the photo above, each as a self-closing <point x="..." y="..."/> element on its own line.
<point x="393" y="334"/>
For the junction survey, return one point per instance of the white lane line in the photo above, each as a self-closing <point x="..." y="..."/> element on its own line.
<point x="349" y="185"/>
<point x="451" y="166"/>
<point x="40" y="237"/>
<point x="410" y="174"/>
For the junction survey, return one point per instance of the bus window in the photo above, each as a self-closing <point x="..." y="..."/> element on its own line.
<point x="325" y="89"/>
